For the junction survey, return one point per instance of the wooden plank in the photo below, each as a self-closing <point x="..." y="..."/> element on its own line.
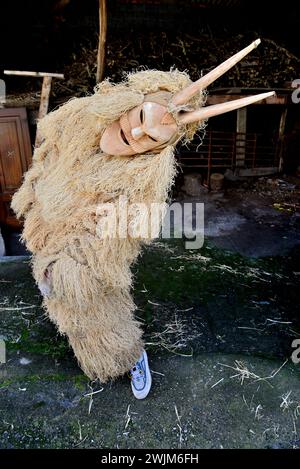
<point x="33" y="74"/>
<point x="267" y="171"/>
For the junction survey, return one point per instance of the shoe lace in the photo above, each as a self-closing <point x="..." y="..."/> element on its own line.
<point x="136" y="373"/>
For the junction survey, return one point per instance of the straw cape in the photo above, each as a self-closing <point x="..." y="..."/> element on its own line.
<point x="61" y="201"/>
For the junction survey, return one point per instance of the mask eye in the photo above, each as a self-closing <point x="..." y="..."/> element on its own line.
<point x="124" y="137"/>
<point x="154" y="140"/>
<point x="142" y="117"/>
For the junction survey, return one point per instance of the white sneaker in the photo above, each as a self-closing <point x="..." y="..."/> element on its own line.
<point x="141" y="377"/>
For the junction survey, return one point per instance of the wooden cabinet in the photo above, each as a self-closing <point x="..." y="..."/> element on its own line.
<point x="15" y="158"/>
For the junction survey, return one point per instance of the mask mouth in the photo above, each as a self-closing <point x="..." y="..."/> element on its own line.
<point x="123" y="137"/>
<point x="153" y="139"/>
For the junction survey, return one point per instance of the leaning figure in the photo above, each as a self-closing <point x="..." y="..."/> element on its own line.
<point x="95" y="153"/>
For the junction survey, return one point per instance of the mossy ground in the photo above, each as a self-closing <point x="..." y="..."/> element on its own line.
<point x="237" y="304"/>
<point x="191" y="303"/>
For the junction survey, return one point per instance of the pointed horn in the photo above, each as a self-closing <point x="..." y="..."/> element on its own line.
<point x="216" y="109"/>
<point x="187" y="93"/>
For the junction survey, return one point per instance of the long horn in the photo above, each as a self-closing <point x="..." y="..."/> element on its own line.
<point x="187" y="93"/>
<point x="216" y="109"/>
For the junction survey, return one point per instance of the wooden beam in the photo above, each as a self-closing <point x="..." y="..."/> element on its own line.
<point x="248" y="172"/>
<point x="102" y="40"/>
<point x="33" y="74"/>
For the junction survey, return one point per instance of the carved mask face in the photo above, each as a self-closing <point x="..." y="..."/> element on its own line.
<point x="150" y="127"/>
<point x="142" y="129"/>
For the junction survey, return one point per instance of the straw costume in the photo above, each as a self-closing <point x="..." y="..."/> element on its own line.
<point x="62" y="203"/>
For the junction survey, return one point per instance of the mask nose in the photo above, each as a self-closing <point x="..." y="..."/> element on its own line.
<point x="137" y="133"/>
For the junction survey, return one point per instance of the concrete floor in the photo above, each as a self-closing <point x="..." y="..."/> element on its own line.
<point x="249" y="224"/>
<point x="194" y="403"/>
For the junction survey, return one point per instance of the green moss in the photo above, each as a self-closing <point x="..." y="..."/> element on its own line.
<point x="168" y="273"/>
<point x="55" y="347"/>
<point x="182" y="278"/>
<point x="54" y="377"/>
<point x="80" y="382"/>
<point x="5" y="383"/>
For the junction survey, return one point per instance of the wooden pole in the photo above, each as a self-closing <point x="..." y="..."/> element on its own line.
<point x="102" y="40"/>
<point x="44" y="104"/>
<point x="282" y="125"/>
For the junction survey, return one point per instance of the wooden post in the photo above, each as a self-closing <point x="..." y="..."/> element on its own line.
<point x="281" y="137"/>
<point x="2" y="93"/>
<point x="241" y="129"/>
<point x="44" y="104"/>
<point x="102" y="40"/>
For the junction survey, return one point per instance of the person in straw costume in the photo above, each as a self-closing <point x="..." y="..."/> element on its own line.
<point x="94" y="151"/>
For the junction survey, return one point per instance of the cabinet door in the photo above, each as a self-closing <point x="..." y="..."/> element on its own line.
<point x="15" y="158"/>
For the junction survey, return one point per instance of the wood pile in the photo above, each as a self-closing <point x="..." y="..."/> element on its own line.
<point x="268" y="66"/>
